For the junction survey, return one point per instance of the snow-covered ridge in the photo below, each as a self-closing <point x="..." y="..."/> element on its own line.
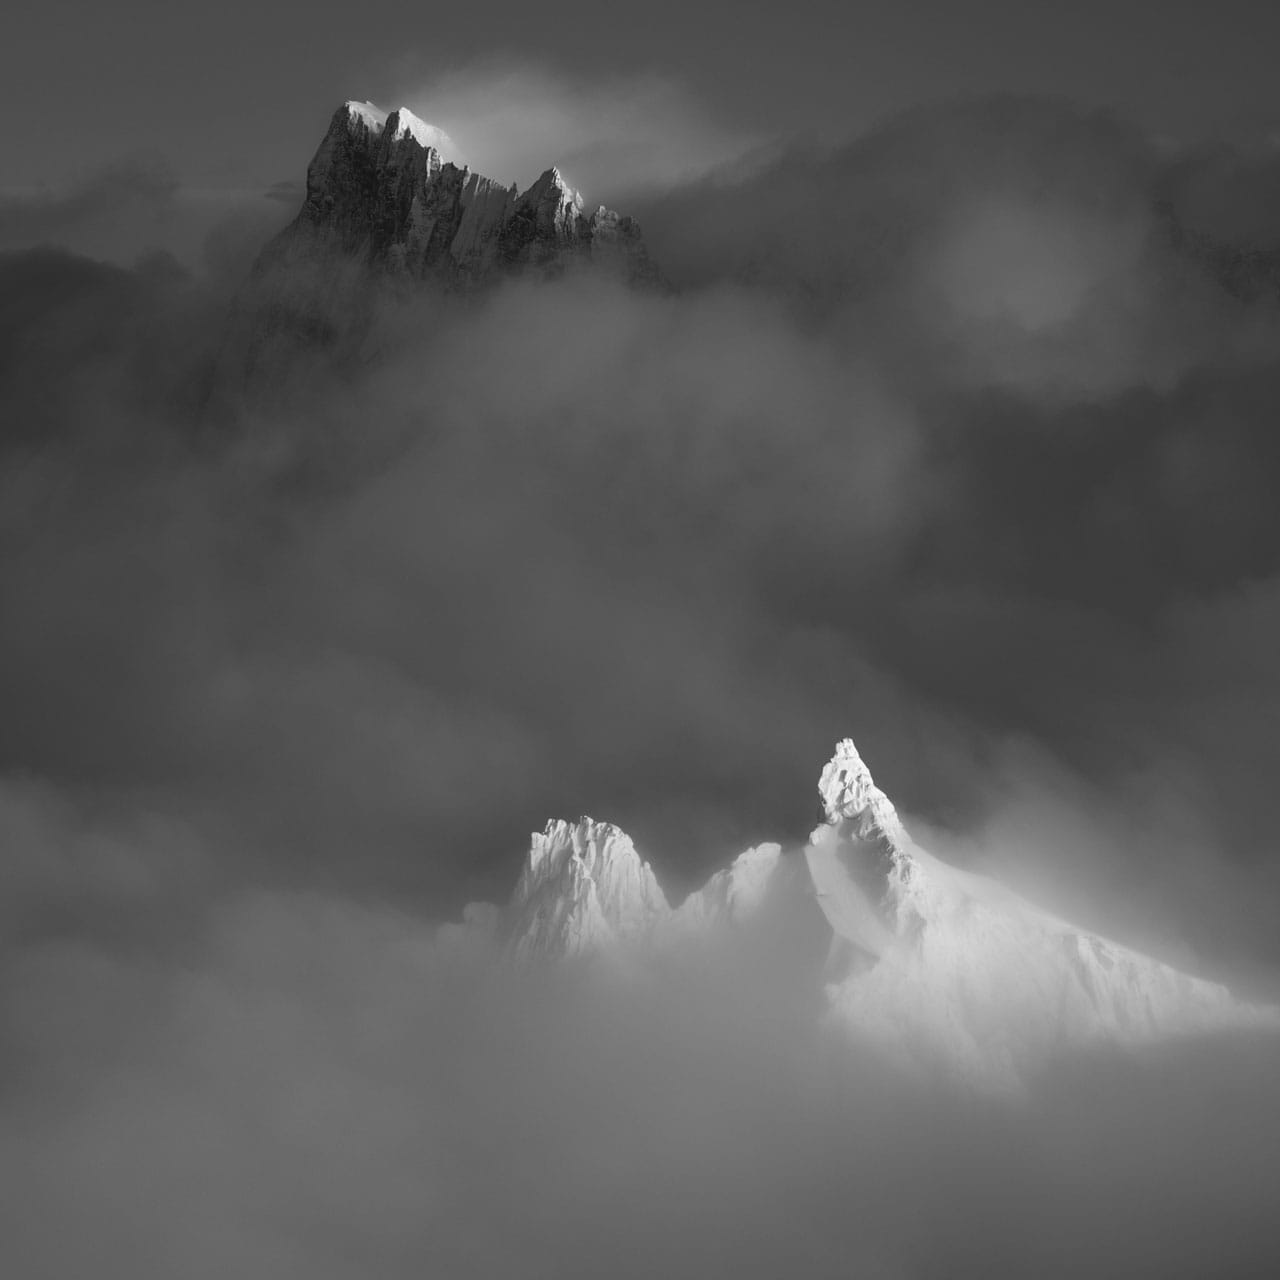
<point x="403" y="124"/>
<point x="735" y="894"/>
<point x="366" y="113"/>
<point x="933" y="965"/>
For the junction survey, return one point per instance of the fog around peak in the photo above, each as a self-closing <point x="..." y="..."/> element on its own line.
<point x="285" y="689"/>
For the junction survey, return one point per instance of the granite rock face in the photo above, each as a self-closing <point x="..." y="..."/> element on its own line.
<point x="382" y="190"/>
<point x="390" y="219"/>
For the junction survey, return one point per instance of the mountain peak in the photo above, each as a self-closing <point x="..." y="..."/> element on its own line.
<point x="363" y="114"/>
<point x="934" y="965"/>
<point x="391" y="210"/>
<point x="850" y="796"/>
<point x="554" y="179"/>
<point x="583" y="888"/>
<point x="845" y="784"/>
<point x="735" y="893"/>
<point x="388" y="190"/>
<point x="400" y="123"/>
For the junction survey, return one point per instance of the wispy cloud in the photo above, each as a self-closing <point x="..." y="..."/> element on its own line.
<point x="609" y="136"/>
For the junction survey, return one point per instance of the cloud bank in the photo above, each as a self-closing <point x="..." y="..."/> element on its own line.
<point x="950" y="440"/>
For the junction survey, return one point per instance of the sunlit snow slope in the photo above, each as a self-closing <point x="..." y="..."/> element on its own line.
<point x="933" y="966"/>
<point x="954" y="966"/>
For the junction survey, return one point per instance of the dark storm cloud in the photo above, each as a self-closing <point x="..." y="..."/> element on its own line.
<point x="1014" y="243"/>
<point x="85" y="346"/>
<point x="134" y="209"/>
<point x="945" y="440"/>
<point x="123" y="194"/>
<point x="1229" y="188"/>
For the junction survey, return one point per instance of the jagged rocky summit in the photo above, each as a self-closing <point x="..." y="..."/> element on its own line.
<point x="384" y="189"/>
<point x="933" y="965"/>
<point x="390" y="218"/>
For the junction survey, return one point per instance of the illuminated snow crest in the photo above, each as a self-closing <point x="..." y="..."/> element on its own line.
<point x="947" y="970"/>
<point x="584" y="888"/>
<point x="849" y="794"/>
<point x="735" y="894"/>
<point x="402" y="123"/>
<point x="373" y="118"/>
<point x="937" y="969"/>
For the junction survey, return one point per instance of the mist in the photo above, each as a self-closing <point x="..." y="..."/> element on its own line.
<point x="333" y="1091"/>
<point x="922" y="445"/>
<point x="619" y="134"/>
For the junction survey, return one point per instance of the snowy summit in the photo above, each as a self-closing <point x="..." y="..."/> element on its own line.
<point x="937" y="967"/>
<point x="403" y="124"/>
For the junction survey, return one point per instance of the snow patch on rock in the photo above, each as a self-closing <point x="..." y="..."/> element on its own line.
<point x="404" y="124"/>
<point x="372" y="117"/>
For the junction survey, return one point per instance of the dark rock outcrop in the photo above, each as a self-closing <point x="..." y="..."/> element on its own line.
<point x="380" y="191"/>
<point x="387" y="220"/>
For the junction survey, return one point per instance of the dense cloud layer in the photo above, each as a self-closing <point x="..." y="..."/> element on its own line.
<point x="334" y="1093"/>
<point x="952" y="441"/>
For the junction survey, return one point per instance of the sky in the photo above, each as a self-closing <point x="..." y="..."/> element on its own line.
<point x="952" y="431"/>
<point x="234" y="95"/>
